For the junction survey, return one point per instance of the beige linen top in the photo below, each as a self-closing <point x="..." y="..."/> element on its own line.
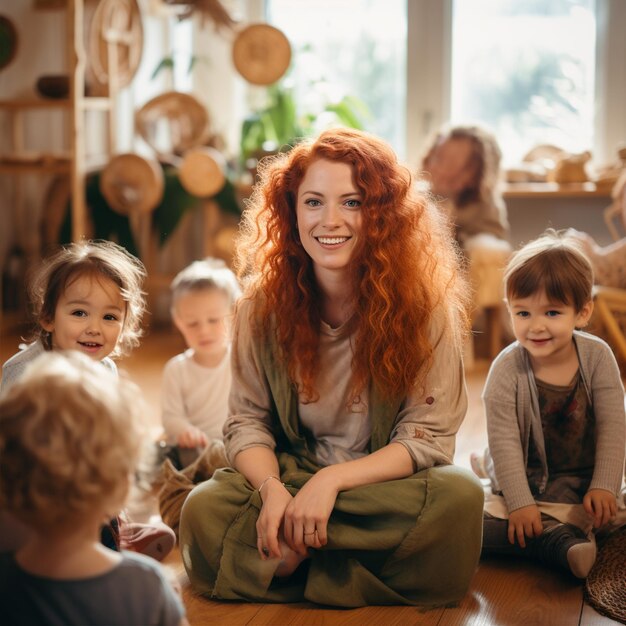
<point x="426" y="425"/>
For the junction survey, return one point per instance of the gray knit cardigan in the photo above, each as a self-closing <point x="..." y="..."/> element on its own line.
<point x="511" y="403"/>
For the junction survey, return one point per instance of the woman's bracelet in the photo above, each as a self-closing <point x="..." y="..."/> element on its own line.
<point x="268" y="478"/>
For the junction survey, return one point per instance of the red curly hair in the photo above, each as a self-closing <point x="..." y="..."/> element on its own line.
<point x="404" y="267"/>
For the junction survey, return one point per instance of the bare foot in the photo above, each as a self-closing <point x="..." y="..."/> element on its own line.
<point x="477" y="462"/>
<point x="290" y="561"/>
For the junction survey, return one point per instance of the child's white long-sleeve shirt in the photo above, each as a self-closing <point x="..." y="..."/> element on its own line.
<point x="196" y="395"/>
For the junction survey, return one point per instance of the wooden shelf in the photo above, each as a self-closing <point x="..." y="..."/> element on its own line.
<point x="23" y="104"/>
<point x="77" y="164"/>
<point x="554" y="190"/>
<point x="60" y="167"/>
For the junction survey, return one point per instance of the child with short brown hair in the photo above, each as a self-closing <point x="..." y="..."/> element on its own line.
<point x="555" y="415"/>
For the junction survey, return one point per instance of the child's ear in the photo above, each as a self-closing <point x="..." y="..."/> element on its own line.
<point x="47" y="325"/>
<point x="175" y="319"/>
<point x="584" y="315"/>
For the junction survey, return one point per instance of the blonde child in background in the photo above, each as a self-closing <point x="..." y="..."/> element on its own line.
<point x="62" y="486"/>
<point x="88" y="297"/>
<point x="554" y="402"/>
<point x="196" y="383"/>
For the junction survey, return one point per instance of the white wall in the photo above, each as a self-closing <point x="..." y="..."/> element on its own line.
<point x="529" y="218"/>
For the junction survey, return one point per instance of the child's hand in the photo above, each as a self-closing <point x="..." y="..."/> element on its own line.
<point x="525" y="522"/>
<point x="601" y="505"/>
<point x="192" y="437"/>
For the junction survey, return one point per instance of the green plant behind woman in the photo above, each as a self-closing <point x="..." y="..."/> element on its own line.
<point x="279" y="125"/>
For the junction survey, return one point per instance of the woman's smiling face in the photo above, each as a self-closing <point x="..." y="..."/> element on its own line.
<point x="328" y="211"/>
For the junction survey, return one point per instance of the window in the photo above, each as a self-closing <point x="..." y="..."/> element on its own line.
<point x="573" y="50"/>
<point x="348" y="48"/>
<point x="534" y="71"/>
<point x="526" y="69"/>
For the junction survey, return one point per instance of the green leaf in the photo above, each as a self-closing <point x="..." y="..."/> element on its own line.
<point x="283" y="116"/>
<point x="194" y="60"/>
<point x="165" y="63"/>
<point x="252" y="136"/>
<point x="348" y="109"/>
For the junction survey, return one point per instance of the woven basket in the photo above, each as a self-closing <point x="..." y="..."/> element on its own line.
<point x="131" y="183"/>
<point x="115" y="23"/>
<point x="605" y="587"/>
<point x="172" y="123"/>
<point x="261" y="54"/>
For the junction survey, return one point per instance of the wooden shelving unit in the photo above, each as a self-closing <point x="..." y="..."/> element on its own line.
<point x="73" y="161"/>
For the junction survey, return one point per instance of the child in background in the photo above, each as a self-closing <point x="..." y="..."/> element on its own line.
<point x="62" y="485"/>
<point x="462" y="165"/>
<point x="88" y="297"/>
<point x="555" y="415"/>
<point x="196" y="383"/>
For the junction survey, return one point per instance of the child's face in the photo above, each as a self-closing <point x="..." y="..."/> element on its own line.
<point x="89" y="317"/>
<point x="545" y="328"/>
<point x="203" y="317"/>
<point x="450" y="168"/>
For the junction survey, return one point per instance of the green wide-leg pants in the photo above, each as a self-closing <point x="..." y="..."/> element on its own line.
<point x="411" y="541"/>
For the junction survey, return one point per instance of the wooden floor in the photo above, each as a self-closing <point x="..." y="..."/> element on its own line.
<point x="503" y="592"/>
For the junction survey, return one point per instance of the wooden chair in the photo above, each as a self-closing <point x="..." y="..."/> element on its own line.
<point x="487" y="258"/>
<point x="610" y="303"/>
<point x="616" y="211"/>
<point x="610" y="315"/>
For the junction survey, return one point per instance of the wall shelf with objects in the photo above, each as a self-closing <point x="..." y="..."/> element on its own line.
<point x="533" y="207"/>
<point x="103" y="42"/>
<point x="555" y="190"/>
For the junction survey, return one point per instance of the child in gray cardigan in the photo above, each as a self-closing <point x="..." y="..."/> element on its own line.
<point x="555" y="415"/>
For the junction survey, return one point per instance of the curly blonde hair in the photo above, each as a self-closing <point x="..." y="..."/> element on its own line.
<point x="94" y="258"/>
<point x="70" y="438"/>
<point x="405" y="267"/>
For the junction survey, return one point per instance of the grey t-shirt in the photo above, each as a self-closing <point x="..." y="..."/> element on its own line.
<point x="134" y="592"/>
<point x="15" y="366"/>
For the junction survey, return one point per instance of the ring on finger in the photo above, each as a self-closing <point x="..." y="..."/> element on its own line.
<point x="265" y="551"/>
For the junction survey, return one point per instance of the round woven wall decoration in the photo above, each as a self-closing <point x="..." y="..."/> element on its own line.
<point x="172" y="123"/>
<point x="132" y="183"/>
<point x="116" y="23"/>
<point x="605" y="587"/>
<point x="261" y="54"/>
<point x="202" y="172"/>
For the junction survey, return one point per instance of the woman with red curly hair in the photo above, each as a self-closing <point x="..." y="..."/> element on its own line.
<point x="348" y="390"/>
